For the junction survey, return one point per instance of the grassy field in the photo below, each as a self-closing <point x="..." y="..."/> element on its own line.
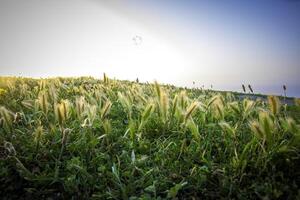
<point x="83" y="138"/>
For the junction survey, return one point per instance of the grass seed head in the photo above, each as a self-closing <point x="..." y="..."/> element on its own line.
<point x="174" y="104"/>
<point x="190" y="110"/>
<point x="267" y="125"/>
<point x="216" y="104"/>
<point x="291" y="125"/>
<point x="7" y="116"/>
<point x="91" y="113"/>
<point x="2" y="91"/>
<point x="107" y="126"/>
<point x="80" y="105"/>
<point x="164" y="105"/>
<point x="61" y="111"/>
<point x="65" y="135"/>
<point x="38" y="134"/>
<point x="248" y="107"/>
<point x="212" y="100"/>
<point x="227" y="128"/>
<point x="235" y="107"/>
<point x="10" y="148"/>
<point x="125" y="103"/>
<point x="256" y="129"/>
<point x="157" y="89"/>
<point x="274" y="104"/>
<point x="42" y="84"/>
<point x="106" y="108"/>
<point x="43" y="102"/>
<point x="297" y="101"/>
<point x="183" y="98"/>
<point x="148" y="111"/>
<point x="29" y="104"/>
<point x="193" y="127"/>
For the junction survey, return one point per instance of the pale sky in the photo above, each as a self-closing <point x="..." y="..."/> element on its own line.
<point x="223" y="43"/>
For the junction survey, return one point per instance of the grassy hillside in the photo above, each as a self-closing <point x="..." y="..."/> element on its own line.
<point x="85" y="138"/>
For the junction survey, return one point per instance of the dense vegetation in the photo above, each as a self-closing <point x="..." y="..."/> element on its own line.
<point x="84" y="138"/>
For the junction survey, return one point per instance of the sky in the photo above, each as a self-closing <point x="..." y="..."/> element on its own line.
<point x="220" y="43"/>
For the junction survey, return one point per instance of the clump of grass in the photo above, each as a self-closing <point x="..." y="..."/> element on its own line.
<point x="126" y="103"/>
<point x="132" y="129"/>
<point x="52" y="92"/>
<point x="43" y="102"/>
<point x="256" y="128"/>
<point x="290" y="125"/>
<point x="217" y="106"/>
<point x="194" y="129"/>
<point x="174" y="105"/>
<point x="248" y="107"/>
<point x="227" y="128"/>
<point x="164" y="107"/>
<point x="190" y="110"/>
<point x="235" y="108"/>
<point x="38" y="133"/>
<point x="107" y="127"/>
<point x="264" y="128"/>
<point x="62" y="111"/>
<point x="2" y="91"/>
<point x="42" y="84"/>
<point x="105" y="110"/>
<point x="297" y="101"/>
<point x="80" y="105"/>
<point x="162" y="102"/>
<point x="29" y="104"/>
<point x="146" y="115"/>
<point x="182" y="99"/>
<point x="274" y="104"/>
<point x="91" y="112"/>
<point x="7" y="117"/>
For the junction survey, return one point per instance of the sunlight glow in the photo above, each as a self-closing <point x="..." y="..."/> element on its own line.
<point x="152" y="59"/>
